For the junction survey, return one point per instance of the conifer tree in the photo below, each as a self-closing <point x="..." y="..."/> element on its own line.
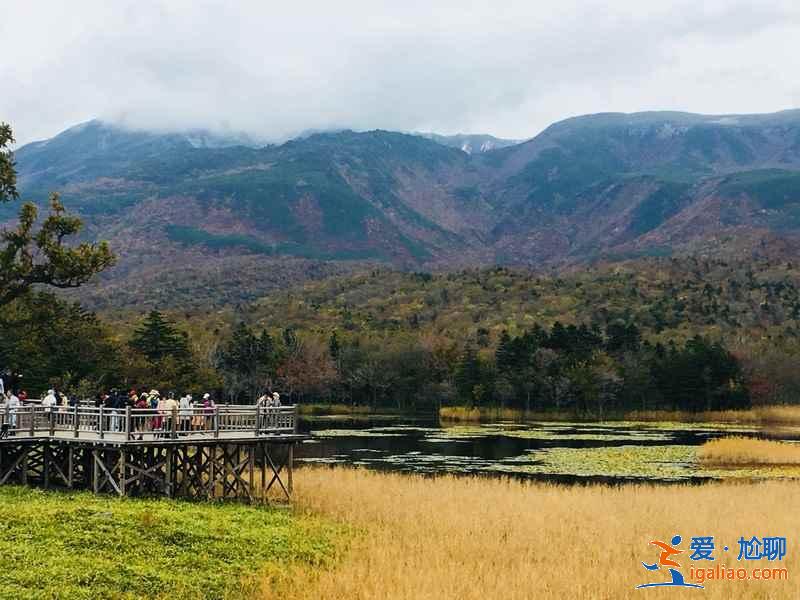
<point x="157" y="338"/>
<point x="31" y="255"/>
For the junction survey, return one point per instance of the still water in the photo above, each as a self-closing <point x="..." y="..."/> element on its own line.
<point x="614" y="451"/>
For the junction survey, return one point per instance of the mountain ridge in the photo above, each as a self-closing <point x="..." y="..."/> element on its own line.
<point x="588" y="187"/>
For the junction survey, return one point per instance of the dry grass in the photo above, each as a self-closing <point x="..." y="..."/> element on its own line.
<point x="332" y="409"/>
<point x="475" y="538"/>
<point x="738" y="451"/>
<point x="765" y="415"/>
<point x="465" y="414"/>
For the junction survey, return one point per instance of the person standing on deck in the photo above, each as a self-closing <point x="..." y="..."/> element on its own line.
<point x="261" y="410"/>
<point x="13" y="404"/>
<point x="63" y="406"/>
<point x="117" y="407"/>
<point x="185" y="406"/>
<point x="197" y="415"/>
<point x="170" y="412"/>
<point x="158" y="404"/>
<point x="131" y="399"/>
<point x="142" y="403"/>
<point x="208" y="409"/>
<point x="49" y="401"/>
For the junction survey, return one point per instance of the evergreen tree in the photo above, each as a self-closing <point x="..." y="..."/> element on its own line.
<point x="468" y="374"/>
<point x="31" y="256"/>
<point x="503" y="356"/>
<point x="334" y="347"/>
<point x="157" y="338"/>
<point x="51" y="342"/>
<point x="248" y="362"/>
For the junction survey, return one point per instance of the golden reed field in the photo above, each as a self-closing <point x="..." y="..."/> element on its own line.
<point x="736" y="451"/>
<point x="764" y="415"/>
<point x="465" y="538"/>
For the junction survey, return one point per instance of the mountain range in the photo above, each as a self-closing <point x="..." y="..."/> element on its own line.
<point x="223" y="219"/>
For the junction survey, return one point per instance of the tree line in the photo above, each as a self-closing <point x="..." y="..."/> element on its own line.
<point x="47" y="342"/>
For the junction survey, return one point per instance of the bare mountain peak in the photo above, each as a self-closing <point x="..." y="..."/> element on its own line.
<point x="471" y="143"/>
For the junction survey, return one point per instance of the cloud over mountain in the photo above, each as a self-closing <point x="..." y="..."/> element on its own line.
<point x="274" y="69"/>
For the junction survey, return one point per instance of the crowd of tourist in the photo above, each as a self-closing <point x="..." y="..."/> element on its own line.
<point x="187" y="413"/>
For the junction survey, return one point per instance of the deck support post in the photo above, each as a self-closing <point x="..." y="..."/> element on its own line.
<point x="95" y="473"/>
<point x="264" y="472"/>
<point x="251" y="464"/>
<point x="122" y="471"/>
<point x="70" y="467"/>
<point x="289" y="465"/>
<point x="168" y="460"/>
<point x="46" y="457"/>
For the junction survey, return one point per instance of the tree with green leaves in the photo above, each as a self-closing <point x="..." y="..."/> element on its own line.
<point x="248" y="362"/>
<point x="31" y="255"/>
<point x="53" y="343"/>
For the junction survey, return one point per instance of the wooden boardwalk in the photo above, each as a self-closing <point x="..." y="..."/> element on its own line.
<point x="238" y="452"/>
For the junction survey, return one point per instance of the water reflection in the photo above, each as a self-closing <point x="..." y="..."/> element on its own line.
<point x="551" y="451"/>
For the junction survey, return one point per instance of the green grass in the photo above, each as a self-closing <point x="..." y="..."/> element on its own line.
<point x="76" y="545"/>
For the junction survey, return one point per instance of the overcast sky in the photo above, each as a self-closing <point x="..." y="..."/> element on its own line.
<point x="274" y="68"/>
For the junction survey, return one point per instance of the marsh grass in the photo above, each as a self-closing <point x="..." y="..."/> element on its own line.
<point x="335" y="409"/>
<point x="764" y="416"/>
<point x="80" y="546"/>
<point x="738" y="451"/>
<point x="471" y="538"/>
<point x="466" y="414"/>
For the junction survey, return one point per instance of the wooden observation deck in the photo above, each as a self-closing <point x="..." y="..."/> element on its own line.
<point x="226" y="452"/>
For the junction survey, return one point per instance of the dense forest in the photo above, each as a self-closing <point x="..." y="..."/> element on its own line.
<point x="686" y="334"/>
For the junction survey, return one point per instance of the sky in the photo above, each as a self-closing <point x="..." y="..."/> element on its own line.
<point x="275" y="69"/>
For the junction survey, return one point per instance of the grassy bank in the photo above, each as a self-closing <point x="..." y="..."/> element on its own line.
<point x="75" y="545"/>
<point x="766" y="415"/>
<point x="474" y="538"/>
<point x="738" y="451"/>
<point x="467" y="414"/>
<point x="336" y="409"/>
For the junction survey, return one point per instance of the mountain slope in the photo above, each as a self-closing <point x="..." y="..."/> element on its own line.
<point x="606" y="182"/>
<point x="607" y="185"/>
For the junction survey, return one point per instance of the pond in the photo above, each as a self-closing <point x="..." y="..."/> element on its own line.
<point x="565" y="452"/>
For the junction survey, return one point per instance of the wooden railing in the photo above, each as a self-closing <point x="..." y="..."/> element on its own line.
<point x="130" y="424"/>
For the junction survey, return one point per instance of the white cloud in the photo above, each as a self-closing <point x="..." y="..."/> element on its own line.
<point x="276" y="68"/>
